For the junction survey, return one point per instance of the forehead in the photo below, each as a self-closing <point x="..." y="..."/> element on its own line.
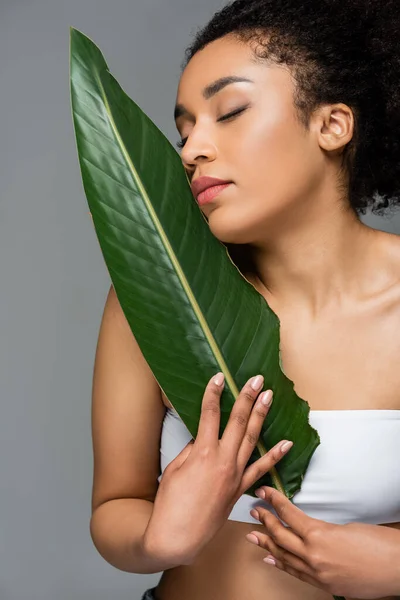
<point x="222" y="57"/>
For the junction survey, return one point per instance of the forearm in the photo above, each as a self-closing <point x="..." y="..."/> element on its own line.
<point x="390" y="538"/>
<point x="117" y="529"/>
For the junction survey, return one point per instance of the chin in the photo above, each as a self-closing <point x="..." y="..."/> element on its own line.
<point x="232" y="229"/>
<point x="228" y="235"/>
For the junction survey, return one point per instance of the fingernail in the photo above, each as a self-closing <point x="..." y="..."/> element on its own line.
<point x="219" y="379"/>
<point x="286" y="446"/>
<point x="256" y="382"/>
<point x="269" y="560"/>
<point x="254" y="513"/>
<point x="266" y="398"/>
<point x="253" y="538"/>
<point x="260" y="493"/>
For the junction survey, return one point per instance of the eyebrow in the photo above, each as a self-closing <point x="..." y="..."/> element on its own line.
<point x="210" y="90"/>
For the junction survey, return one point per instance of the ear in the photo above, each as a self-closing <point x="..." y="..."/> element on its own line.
<point x="334" y="127"/>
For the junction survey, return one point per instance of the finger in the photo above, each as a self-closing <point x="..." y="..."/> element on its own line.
<point x="210" y="416"/>
<point x="283" y="556"/>
<point x="256" y="470"/>
<point x="274" y="550"/>
<point x="280" y="535"/>
<point x="238" y="419"/>
<point x="287" y="511"/>
<point x="182" y="456"/>
<point x="300" y="575"/>
<point x="254" y="426"/>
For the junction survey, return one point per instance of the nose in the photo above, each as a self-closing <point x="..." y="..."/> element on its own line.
<point x="198" y="148"/>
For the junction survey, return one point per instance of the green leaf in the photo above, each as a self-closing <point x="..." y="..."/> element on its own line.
<point x="191" y="310"/>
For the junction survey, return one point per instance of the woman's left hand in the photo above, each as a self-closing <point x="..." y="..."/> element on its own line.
<point x="355" y="559"/>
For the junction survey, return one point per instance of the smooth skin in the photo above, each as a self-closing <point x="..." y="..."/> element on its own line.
<point x="333" y="282"/>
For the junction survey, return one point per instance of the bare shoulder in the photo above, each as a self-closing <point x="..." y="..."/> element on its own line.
<point x="391" y="324"/>
<point x="387" y="324"/>
<point x="127" y="413"/>
<point x="392" y="256"/>
<point x="393" y="242"/>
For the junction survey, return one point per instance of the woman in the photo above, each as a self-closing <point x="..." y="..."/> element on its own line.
<point x="306" y="132"/>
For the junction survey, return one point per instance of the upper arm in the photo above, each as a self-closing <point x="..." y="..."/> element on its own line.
<point x="127" y="413"/>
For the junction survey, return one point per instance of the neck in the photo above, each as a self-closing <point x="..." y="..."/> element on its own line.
<point x="320" y="263"/>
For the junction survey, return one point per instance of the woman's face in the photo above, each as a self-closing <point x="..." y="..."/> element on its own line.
<point x="275" y="164"/>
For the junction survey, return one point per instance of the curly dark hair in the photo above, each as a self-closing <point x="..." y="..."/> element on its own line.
<point x="338" y="51"/>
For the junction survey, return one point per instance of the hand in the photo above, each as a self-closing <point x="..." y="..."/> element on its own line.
<point x="355" y="559"/>
<point x="200" y="486"/>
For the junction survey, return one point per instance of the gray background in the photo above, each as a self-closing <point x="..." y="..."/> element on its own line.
<point x="54" y="281"/>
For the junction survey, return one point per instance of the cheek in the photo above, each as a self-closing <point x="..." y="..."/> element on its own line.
<point x="276" y="164"/>
<point x="273" y="151"/>
<point x="274" y="170"/>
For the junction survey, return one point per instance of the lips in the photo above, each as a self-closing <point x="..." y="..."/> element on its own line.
<point x="202" y="183"/>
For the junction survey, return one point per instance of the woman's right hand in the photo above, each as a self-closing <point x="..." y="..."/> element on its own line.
<point x="200" y="486"/>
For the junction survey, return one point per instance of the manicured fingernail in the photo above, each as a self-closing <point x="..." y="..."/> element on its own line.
<point x="260" y="493"/>
<point x="269" y="560"/>
<point x="266" y="398"/>
<point x="256" y="382"/>
<point x="219" y="379"/>
<point x="286" y="446"/>
<point x="253" y="538"/>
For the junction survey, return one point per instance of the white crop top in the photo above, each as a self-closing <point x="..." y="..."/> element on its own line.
<point x="353" y="475"/>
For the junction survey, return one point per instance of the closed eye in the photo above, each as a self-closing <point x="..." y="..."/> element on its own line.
<point x="234" y="113"/>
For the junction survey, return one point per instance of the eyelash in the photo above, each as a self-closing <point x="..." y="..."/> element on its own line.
<point x="181" y="143"/>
